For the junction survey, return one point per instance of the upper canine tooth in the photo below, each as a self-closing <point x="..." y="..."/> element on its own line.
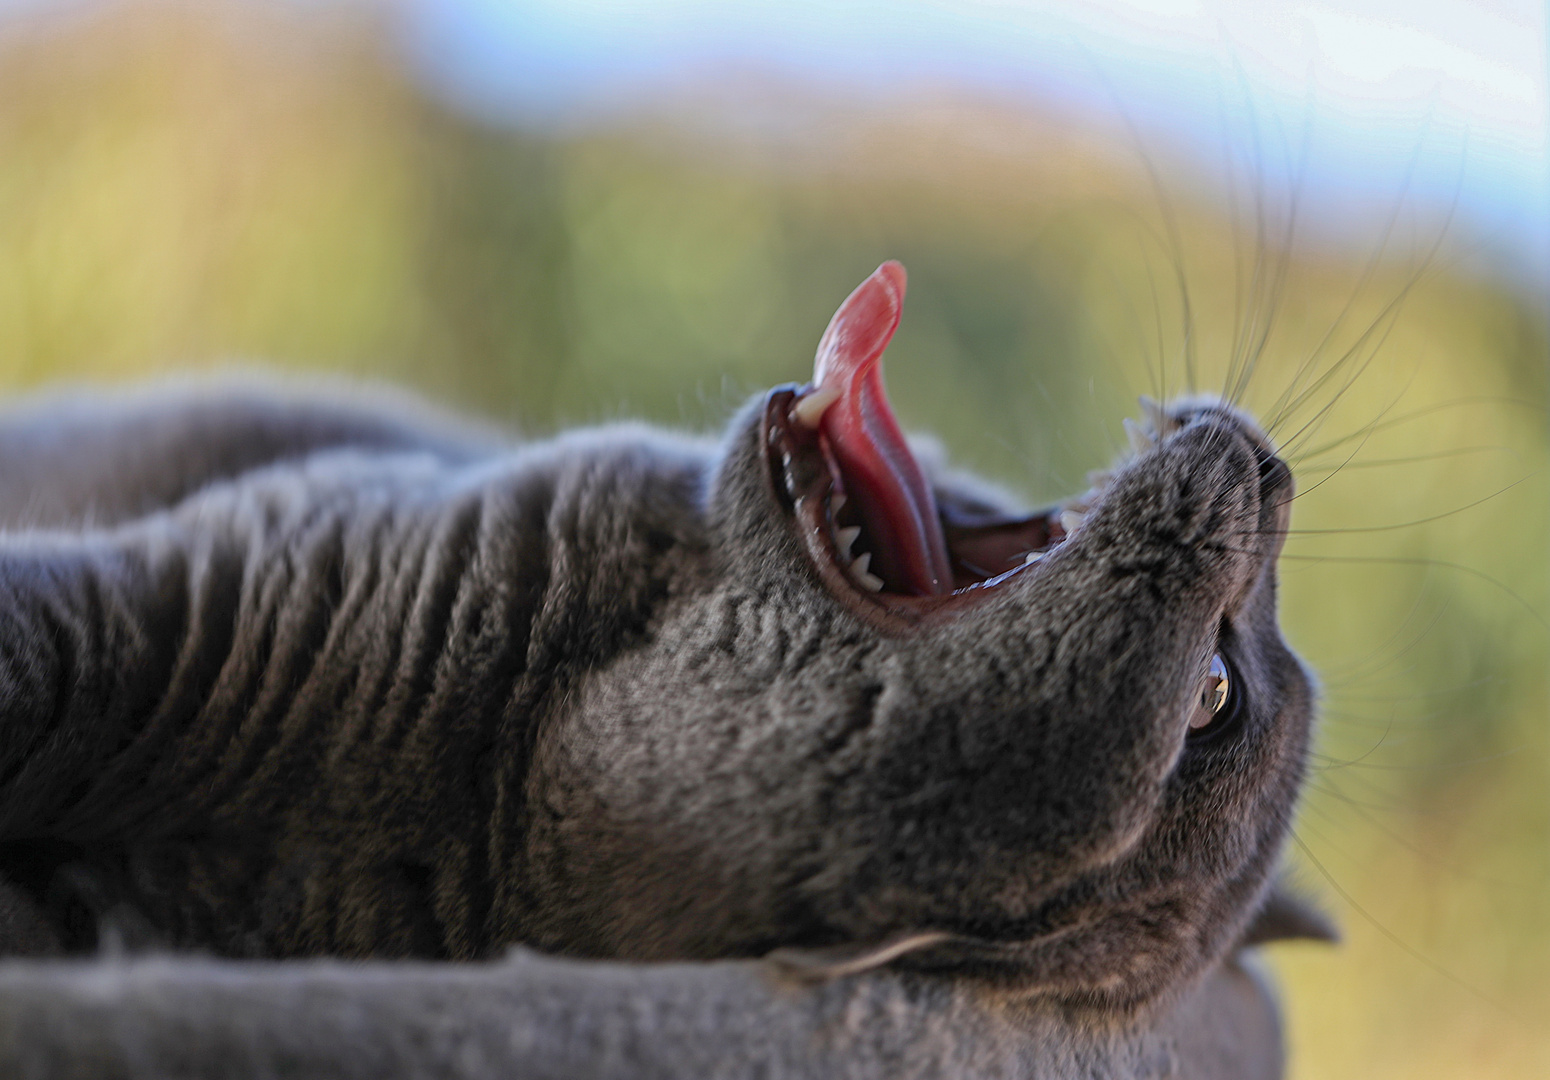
<point x="846" y="537"/>
<point x="1070" y="520"/>
<point x="1140" y="440"/>
<point x="870" y="583"/>
<point x="837" y="503"/>
<point x="809" y="410"/>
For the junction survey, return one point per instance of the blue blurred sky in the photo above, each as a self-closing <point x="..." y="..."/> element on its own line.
<point x="1430" y="99"/>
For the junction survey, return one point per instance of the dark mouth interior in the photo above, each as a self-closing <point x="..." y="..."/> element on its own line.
<point x="847" y="539"/>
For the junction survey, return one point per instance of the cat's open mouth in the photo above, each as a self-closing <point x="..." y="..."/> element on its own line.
<point x="866" y="514"/>
<point x="854" y="543"/>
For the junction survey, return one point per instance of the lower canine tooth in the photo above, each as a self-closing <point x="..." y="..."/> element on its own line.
<point x="858" y="570"/>
<point x="809" y="410"/>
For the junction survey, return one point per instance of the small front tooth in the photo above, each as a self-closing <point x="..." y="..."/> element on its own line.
<point x="1140" y="441"/>
<point x="862" y="564"/>
<point x="808" y="411"/>
<point x="845" y="538"/>
<point x="1032" y="557"/>
<point x="1070" y="521"/>
<point x="870" y="583"/>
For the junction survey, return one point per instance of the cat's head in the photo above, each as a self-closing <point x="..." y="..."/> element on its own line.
<point x="1071" y="766"/>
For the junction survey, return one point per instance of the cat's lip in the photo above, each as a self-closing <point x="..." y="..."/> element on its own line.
<point x="985" y="552"/>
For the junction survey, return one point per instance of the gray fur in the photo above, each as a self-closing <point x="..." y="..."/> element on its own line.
<point x="534" y="1016"/>
<point x="367" y="688"/>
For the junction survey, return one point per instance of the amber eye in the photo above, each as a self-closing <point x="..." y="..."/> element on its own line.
<point x="1216" y="695"/>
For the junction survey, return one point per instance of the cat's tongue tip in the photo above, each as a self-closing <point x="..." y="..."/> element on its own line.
<point x="878" y="468"/>
<point x="860" y="330"/>
<point x="892" y="274"/>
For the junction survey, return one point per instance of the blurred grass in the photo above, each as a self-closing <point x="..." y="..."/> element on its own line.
<point x="188" y="186"/>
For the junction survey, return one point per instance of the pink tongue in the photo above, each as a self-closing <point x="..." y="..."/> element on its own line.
<point x="908" y="550"/>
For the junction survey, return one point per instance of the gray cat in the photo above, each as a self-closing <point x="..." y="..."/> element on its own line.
<point x="838" y="766"/>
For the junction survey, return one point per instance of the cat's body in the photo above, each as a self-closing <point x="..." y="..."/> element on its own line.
<point x="538" y="1017"/>
<point x="297" y="680"/>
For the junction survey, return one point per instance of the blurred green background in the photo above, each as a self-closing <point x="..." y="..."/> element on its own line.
<point x="188" y="187"/>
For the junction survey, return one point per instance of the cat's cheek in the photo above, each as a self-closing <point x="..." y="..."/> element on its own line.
<point x="678" y="791"/>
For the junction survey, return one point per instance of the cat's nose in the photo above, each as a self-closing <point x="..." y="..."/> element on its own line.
<point x="1275" y="476"/>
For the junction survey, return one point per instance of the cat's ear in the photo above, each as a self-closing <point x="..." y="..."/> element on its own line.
<point x="838" y="961"/>
<point x="1287" y="915"/>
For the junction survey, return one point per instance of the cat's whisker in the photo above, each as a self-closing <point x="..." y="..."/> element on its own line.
<point x="1141" y="441"/>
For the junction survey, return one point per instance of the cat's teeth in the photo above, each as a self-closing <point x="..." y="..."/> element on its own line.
<point x="1032" y="557"/>
<point x="1070" y="520"/>
<point x="837" y="503"/>
<point x="809" y="410"/>
<point x="845" y="538"/>
<point x="858" y="572"/>
<point x="1140" y="440"/>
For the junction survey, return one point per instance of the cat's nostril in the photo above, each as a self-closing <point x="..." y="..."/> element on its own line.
<point x="1274" y="474"/>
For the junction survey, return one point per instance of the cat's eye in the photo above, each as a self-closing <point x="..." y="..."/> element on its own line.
<point x="1218" y="695"/>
